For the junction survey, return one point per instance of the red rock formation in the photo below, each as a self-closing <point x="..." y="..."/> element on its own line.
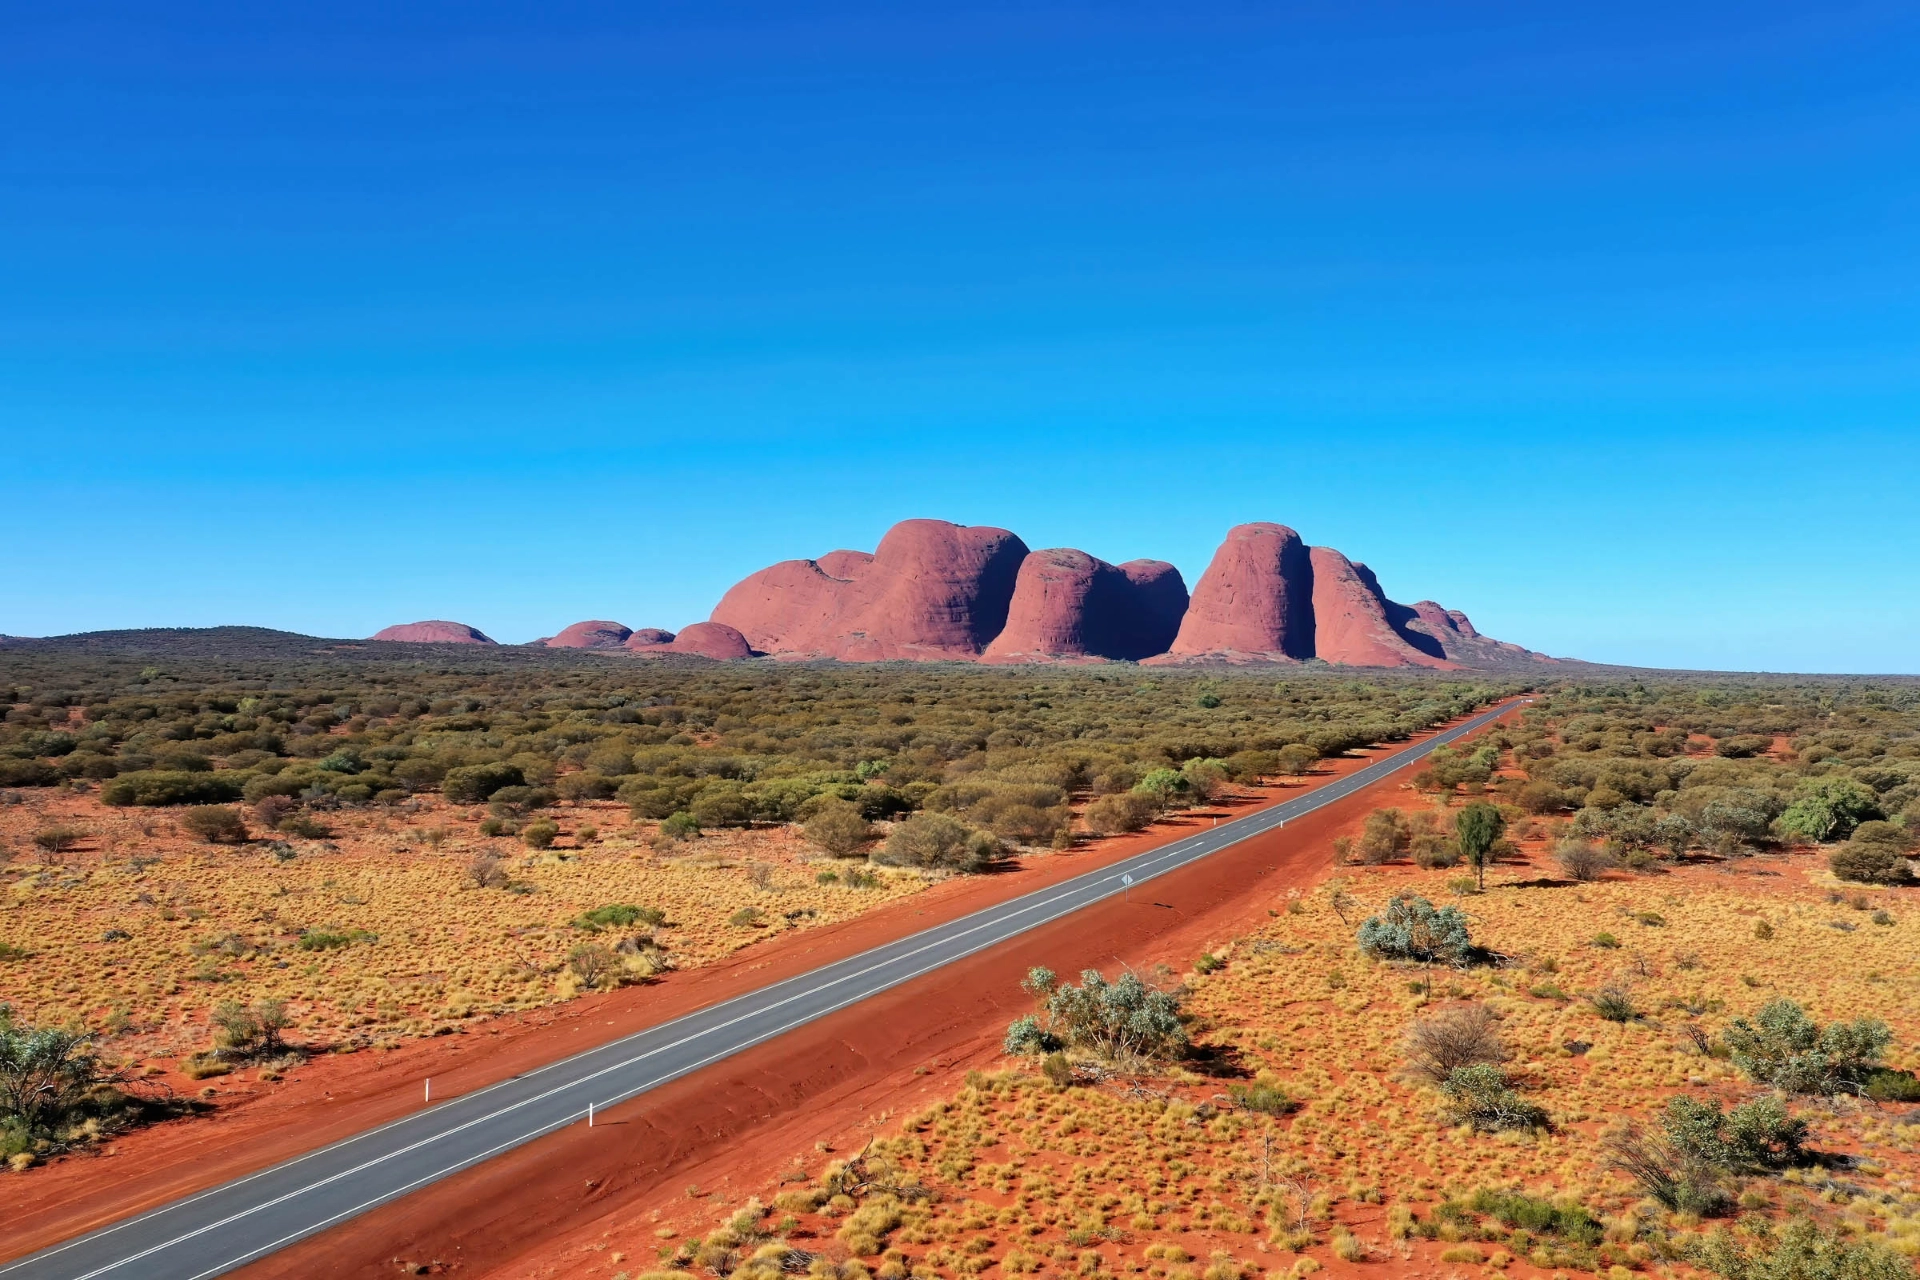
<point x="1068" y="605"/>
<point x="648" y="638"/>
<point x="1254" y="603"/>
<point x="931" y="591"/>
<point x="1352" y="622"/>
<point x="433" y="632"/>
<point x="791" y="608"/>
<point x="1162" y="594"/>
<point x="709" y="640"/>
<point x="844" y="564"/>
<point x="590" y="635"/>
<point x="939" y="591"/>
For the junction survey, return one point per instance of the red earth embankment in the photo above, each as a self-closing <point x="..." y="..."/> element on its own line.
<point x="741" y="1123"/>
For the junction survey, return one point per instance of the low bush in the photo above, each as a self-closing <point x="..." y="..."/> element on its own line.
<point x="157" y="787"/>
<point x="1483" y="1097"/>
<point x="215" y="824"/>
<point x="1755" y="1137"/>
<point x="837" y="827"/>
<point x="1122" y="1021"/>
<point x="620" y="915"/>
<point x="1412" y="928"/>
<point x="1117" y="814"/>
<point x="1801" y="1251"/>
<point x="938" y="842"/>
<point x="474" y="783"/>
<point x="1461" y="1036"/>
<point x="1583" y="860"/>
<point x="1542" y="1217"/>
<point x="540" y="835"/>
<point x="1785" y="1049"/>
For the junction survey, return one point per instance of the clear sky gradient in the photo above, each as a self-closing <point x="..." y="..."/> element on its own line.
<point x="1603" y="326"/>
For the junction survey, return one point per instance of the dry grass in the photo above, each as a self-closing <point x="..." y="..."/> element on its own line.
<point x="1166" y="1178"/>
<point x="139" y="931"/>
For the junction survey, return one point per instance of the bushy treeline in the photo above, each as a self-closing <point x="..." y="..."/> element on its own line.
<point x="1823" y="762"/>
<point x="997" y="751"/>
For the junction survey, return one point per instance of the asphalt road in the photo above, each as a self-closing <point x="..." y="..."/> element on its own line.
<point x="225" y="1228"/>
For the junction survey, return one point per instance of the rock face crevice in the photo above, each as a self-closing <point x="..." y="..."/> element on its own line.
<point x="1069" y="605"/>
<point x="930" y="591"/>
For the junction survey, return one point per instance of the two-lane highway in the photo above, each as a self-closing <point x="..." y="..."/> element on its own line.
<point x="233" y="1224"/>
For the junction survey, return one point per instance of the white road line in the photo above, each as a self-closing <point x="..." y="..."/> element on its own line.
<point x="1188" y="850"/>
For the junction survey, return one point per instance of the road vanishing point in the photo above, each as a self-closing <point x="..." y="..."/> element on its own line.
<point x="225" y="1228"/>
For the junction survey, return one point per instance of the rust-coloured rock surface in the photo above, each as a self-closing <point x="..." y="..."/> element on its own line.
<point x="935" y="591"/>
<point x="844" y="564"/>
<point x="1070" y="605"/>
<point x="931" y="591"/>
<point x="1162" y="594"/>
<point x="710" y="640"/>
<point x="648" y="638"/>
<point x="598" y="634"/>
<point x="433" y="632"/>
<point x="1255" y="601"/>
<point x="1352" y="618"/>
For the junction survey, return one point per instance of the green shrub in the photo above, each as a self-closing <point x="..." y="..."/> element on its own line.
<point x="838" y="827"/>
<point x="938" y="842"/>
<point x="680" y="826"/>
<point x="1615" y="1004"/>
<point x="1264" y="1099"/>
<point x="215" y="824"/>
<point x="1893" y="1086"/>
<point x="1411" y="928"/>
<point x="540" y="835"/>
<point x="1865" y="862"/>
<point x="620" y="915"/>
<point x="1482" y="1096"/>
<point x="1117" y="814"/>
<point x="1785" y="1049"/>
<point x="1542" y="1217"/>
<point x="28" y="773"/>
<point x="474" y="783"/>
<point x="1801" y="1251"/>
<point x="155" y="787"/>
<point x="1755" y="1137"/>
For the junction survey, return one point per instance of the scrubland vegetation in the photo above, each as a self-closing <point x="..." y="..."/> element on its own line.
<point x="224" y="863"/>
<point x="1671" y="1035"/>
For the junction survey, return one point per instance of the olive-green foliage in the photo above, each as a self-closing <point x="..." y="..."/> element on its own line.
<point x="1754" y="1137"/>
<point x="620" y="915"/>
<point x="45" y="1074"/>
<point x="1542" y="1217"/>
<point x="1122" y="1020"/>
<point x="1385" y="836"/>
<point x="470" y="784"/>
<point x="1876" y="853"/>
<point x="727" y="744"/>
<point x="838" y="827"/>
<point x="1784" y="1048"/>
<point x="1800" y="1251"/>
<point x="938" y="842"/>
<point x="1619" y="753"/>
<point x="1483" y="1097"/>
<point x="215" y="823"/>
<point x="163" y="787"/>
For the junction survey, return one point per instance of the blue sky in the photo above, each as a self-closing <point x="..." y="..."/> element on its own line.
<point x="1601" y="326"/>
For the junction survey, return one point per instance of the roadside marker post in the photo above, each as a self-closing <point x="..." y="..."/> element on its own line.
<point x="589" y="1115"/>
<point x="1126" y="892"/>
<point x="429" y="1088"/>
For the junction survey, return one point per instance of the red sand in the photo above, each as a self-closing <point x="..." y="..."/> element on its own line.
<point x="739" y="1124"/>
